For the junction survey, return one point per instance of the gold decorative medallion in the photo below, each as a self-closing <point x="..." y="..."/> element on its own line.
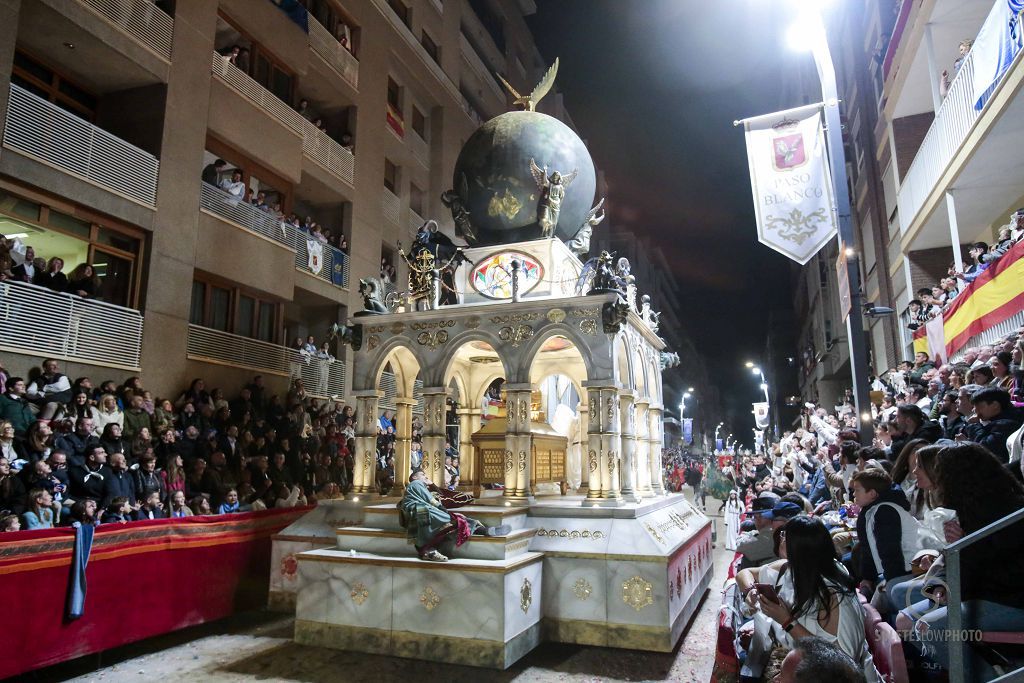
<point x="522" y="461"/>
<point x="654" y="532"/>
<point x="515" y="335"/>
<point x="472" y="322"/>
<point x="592" y="459"/>
<point x="429" y="598"/>
<point x="636" y="592"/>
<point x="582" y="589"/>
<point x="359" y="593"/>
<point x="556" y="315"/>
<point x="432" y="339"/>
<point x="588" y="326"/>
<point x="372" y="342"/>
<point x="509" y="461"/>
<point x="397" y="328"/>
<point x="526" y="595"/>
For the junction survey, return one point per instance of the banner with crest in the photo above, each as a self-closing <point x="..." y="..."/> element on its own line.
<point x="791" y="181"/>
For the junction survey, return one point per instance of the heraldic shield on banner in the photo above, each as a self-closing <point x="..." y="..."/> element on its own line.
<point x="791" y="182"/>
<point x="315" y="251"/>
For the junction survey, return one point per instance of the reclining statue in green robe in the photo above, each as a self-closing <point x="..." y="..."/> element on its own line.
<point x="429" y="524"/>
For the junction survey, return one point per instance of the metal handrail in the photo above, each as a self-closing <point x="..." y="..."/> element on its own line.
<point x="42" y="130"/>
<point x="245" y="85"/>
<point x="321" y="378"/>
<point x="140" y="19"/>
<point x="240" y="212"/>
<point x="333" y="52"/>
<point x="954" y="608"/>
<point x="328" y="152"/>
<point x="391" y="206"/>
<point x="39" y="321"/>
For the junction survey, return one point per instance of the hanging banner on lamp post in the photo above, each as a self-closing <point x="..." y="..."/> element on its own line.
<point x="791" y="182"/>
<point x="761" y="415"/>
<point x="688" y="430"/>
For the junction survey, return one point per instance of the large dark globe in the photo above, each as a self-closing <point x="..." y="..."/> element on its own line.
<point x="500" y="192"/>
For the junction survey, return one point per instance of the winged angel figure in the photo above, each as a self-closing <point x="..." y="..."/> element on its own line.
<point x="552" y="192"/>
<point x="529" y="102"/>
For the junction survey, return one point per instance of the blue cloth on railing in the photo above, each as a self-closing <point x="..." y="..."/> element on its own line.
<point x="338" y="272"/>
<point x="295" y="11"/>
<point x="79" y="559"/>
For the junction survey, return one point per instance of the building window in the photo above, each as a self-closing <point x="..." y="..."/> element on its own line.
<point x="258" y="62"/>
<point x="229" y="309"/>
<point x="340" y="24"/>
<point x="419" y="123"/>
<point x="401" y="10"/>
<point x="415" y="198"/>
<point x="76" y="236"/>
<point x="431" y="47"/>
<point x="394" y="95"/>
<point x="43" y="81"/>
<point x="391" y="176"/>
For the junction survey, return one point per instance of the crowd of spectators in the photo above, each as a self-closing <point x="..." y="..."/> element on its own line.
<point x="932" y="301"/>
<point x="828" y="517"/>
<point x="72" y="450"/>
<point x="19" y="262"/>
<point x="215" y="174"/>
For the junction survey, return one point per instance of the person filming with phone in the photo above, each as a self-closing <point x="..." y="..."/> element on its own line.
<point x="807" y="593"/>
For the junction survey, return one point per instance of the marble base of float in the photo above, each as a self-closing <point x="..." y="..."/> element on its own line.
<point x="315" y="529"/>
<point x="482" y="613"/>
<point x="628" y="577"/>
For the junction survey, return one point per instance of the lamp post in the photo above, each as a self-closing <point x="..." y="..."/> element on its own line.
<point x="809" y="33"/>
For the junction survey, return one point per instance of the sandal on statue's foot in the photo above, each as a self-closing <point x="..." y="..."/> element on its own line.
<point x="433" y="556"/>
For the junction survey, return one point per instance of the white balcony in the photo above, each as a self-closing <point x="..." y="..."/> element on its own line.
<point x="248" y="88"/>
<point x="326" y="151"/>
<point x="53" y="136"/>
<point x="37" y="321"/>
<point x="322" y="378"/>
<point x="229" y="207"/>
<point x="333" y="52"/>
<point x="420" y="149"/>
<point x="391" y="206"/>
<point x="415" y="221"/>
<point x="477" y="65"/>
<point x="969" y="152"/>
<point x="335" y="268"/>
<point x="140" y="19"/>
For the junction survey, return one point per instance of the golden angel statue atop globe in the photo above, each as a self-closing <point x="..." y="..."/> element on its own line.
<point x="552" y="192"/>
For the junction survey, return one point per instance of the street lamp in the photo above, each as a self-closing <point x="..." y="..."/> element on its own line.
<point x="808" y="33"/>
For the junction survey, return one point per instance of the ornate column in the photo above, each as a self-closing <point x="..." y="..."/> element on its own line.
<point x="469" y="422"/>
<point x="403" y="443"/>
<point x="518" y="443"/>
<point x="584" y="447"/>
<point x="434" y="433"/>
<point x="604" y="445"/>
<point x="643" y="449"/>
<point x="364" y="468"/>
<point x="655" y="427"/>
<point x="627" y="412"/>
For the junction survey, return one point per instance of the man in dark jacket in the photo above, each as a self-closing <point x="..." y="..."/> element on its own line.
<point x="885" y="535"/>
<point x="92" y="478"/>
<point x="913" y="423"/>
<point x="121" y="483"/>
<point x="996" y="421"/>
<point x="15" y="408"/>
<point x="215" y="479"/>
<point x="79" y="443"/>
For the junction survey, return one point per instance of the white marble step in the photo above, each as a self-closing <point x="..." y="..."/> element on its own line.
<point x="386" y="516"/>
<point x="391" y="543"/>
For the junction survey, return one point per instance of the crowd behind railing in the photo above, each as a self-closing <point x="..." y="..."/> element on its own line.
<point x="839" y="544"/>
<point x="74" y="450"/>
<point x="19" y="262"/>
<point x="933" y="301"/>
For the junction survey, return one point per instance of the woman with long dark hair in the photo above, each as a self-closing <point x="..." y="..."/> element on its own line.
<point x="817" y="597"/>
<point x="903" y="474"/>
<point x="971" y="481"/>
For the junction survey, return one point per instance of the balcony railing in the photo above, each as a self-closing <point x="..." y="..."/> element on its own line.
<point x="953" y="122"/>
<point x="335" y="269"/>
<point x="469" y="53"/>
<point x="248" y="88"/>
<point x="54" y="136"/>
<point x="390" y="206"/>
<point x="415" y="220"/>
<point x="333" y="52"/>
<point x="997" y="332"/>
<point x="38" y="321"/>
<point x="471" y="111"/>
<point x="234" y="209"/>
<point x="141" y="19"/>
<point x="324" y="150"/>
<point x="322" y="378"/>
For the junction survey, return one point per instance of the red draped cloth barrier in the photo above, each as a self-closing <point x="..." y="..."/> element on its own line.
<point x="144" y="579"/>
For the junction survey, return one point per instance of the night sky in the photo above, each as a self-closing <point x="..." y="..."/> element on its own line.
<point x="654" y="86"/>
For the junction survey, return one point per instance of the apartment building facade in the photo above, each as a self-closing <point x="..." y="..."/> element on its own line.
<point x="111" y="111"/>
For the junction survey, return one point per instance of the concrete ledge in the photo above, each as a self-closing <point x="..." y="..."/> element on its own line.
<point x="468" y="651"/>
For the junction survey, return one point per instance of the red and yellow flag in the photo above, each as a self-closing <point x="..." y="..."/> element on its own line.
<point x="996" y="295"/>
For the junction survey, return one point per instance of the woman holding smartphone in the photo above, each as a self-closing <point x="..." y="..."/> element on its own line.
<point x="813" y="596"/>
